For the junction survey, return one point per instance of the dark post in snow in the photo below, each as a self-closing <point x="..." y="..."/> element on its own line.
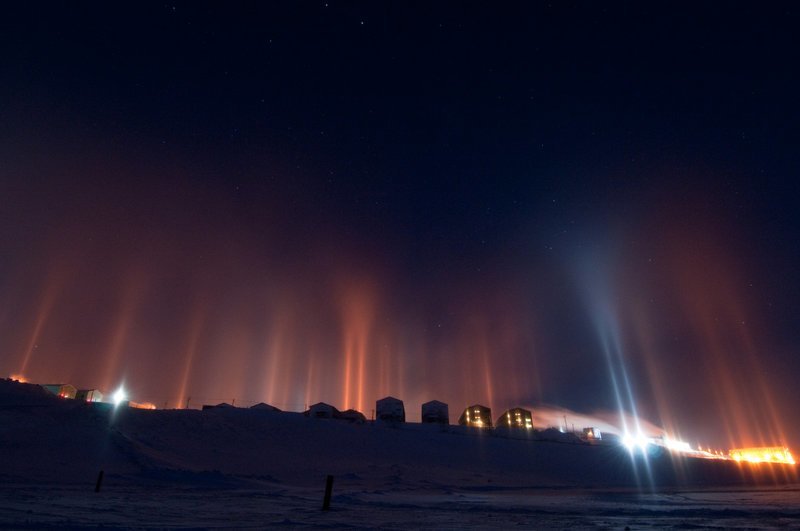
<point x="99" y="482"/>
<point x="326" y="503"/>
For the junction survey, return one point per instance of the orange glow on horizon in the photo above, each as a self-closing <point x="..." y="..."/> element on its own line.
<point x="142" y="405"/>
<point x="765" y="454"/>
<point x="710" y="355"/>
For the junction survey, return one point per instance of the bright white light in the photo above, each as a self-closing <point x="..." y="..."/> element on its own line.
<point x="627" y="442"/>
<point x="119" y="396"/>
<point x="635" y="442"/>
<point x="677" y="446"/>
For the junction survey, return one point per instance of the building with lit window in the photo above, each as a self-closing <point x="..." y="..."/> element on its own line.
<point x="516" y="418"/>
<point x="477" y="416"/>
<point x="592" y="434"/>
<point x="89" y="395"/>
<point x="62" y="390"/>
<point x="435" y="412"/>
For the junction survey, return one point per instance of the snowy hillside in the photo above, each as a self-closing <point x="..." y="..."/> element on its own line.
<point x="53" y="443"/>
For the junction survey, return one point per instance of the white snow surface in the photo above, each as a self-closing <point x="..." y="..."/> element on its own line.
<point x="254" y="469"/>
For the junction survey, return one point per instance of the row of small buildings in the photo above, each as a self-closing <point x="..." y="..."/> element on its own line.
<point x="388" y="409"/>
<point x="89" y="395"/>
<point x="392" y="409"/>
<point x="70" y="391"/>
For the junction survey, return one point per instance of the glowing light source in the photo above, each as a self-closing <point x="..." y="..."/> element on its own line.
<point x="19" y="378"/>
<point x="766" y="454"/>
<point x="119" y="396"/>
<point x="676" y="445"/>
<point x="635" y="442"/>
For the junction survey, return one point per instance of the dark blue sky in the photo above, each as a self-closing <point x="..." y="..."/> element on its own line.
<point x="406" y="188"/>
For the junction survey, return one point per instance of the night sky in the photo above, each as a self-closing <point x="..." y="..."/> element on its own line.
<point x="584" y="205"/>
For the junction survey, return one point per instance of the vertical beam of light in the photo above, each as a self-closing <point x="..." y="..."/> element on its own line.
<point x="708" y="284"/>
<point x="291" y="357"/>
<point x="383" y="361"/>
<point x="474" y="352"/>
<point x="311" y="381"/>
<point x="236" y="347"/>
<point x="624" y="391"/>
<point x="595" y="290"/>
<point x="360" y="346"/>
<point x="348" y="364"/>
<point x="644" y="342"/>
<point x="47" y="301"/>
<point x="274" y="351"/>
<point x="768" y="411"/>
<point x="595" y="278"/>
<point x="399" y="356"/>
<point x="129" y="302"/>
<point x="357" y="310"/>
<point x="195" y="328"/>
<point x="307" y="372"/>
<point x="486" y="355"/>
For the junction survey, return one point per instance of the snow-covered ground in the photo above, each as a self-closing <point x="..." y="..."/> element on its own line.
<point x="236" y="468"/>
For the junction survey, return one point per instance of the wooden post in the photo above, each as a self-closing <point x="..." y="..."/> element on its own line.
<point x="326" y="503"/>
<point x="99" y="481"/>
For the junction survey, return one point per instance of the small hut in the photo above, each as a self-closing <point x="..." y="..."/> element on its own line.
<point x="353" y="416"/>
<point x="89" y="395"/>
<point x="390" y="409"/>
<point x="61" y="390"/>
<point x="516" y="418"/>
<point x="592" y="434"/>
<point x="261" y="406"/>
<point x="321" y="410"/>
<point x="223" y="405"/>
<point x="477" y="416"/>
<point x="435" y="412"/>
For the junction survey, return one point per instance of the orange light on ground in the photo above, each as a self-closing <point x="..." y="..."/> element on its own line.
<point x="142" y="405"/>
<point x="19" y="378"/>
<point x="766" y="454"/>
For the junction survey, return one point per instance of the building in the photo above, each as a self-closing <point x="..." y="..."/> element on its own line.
<point x="516" y="418"/>
<point x="477" y="416"/>
<point x="390" y="409"/>
<point x="321" y="410"/>
<point x="351" y="415"/>
<point x="592" y="434"/>
<point x="261" y="406"/>
<point x="435" y="412"/>
<point x="223" y="405"/>
<point x="89" y="395"/>
<point x="62" y="390"/>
